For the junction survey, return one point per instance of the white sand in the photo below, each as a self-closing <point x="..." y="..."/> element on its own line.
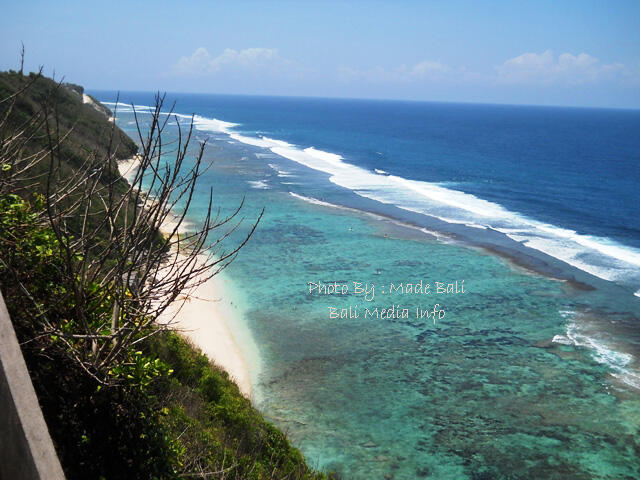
<point x="201" y="315"/>
<point x="128" y="167"/>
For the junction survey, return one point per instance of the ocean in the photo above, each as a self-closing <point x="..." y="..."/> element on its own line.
<point x="436" y="290"/>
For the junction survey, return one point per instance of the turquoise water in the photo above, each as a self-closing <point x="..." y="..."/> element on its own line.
<point x="523" y="376"/>
<point x="482" y="392"/>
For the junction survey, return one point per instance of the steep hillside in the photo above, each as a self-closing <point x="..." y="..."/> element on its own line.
<point x="89" y="129"/>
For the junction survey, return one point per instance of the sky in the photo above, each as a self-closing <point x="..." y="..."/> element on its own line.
<point x="574" y="53"/>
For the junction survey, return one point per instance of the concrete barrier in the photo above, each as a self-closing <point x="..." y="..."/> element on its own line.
<point x="26" y="449"/>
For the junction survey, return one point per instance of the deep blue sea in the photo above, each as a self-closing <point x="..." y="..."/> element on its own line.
<point x="532" y="372"/>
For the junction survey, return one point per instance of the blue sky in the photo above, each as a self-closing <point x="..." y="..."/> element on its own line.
<point x="578" y="53"/>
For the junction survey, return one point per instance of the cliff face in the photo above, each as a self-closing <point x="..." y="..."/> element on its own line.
<point x="55" y="113"/>
<point x="95" y="104"/>
<point x="85" y="122"/>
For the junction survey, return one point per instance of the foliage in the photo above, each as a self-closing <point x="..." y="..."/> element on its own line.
<point x="29" y="100"/>
<point x="110" y="432"/>
<point x="218" y="428"/>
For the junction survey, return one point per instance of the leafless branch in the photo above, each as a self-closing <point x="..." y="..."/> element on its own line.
<point x="116" y="240"/>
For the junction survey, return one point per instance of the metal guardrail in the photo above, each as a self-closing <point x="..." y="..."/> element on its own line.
<point x="26" y="449"/>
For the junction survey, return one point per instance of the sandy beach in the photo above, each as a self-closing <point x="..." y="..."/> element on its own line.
<point x="201" y="314"/>
<point x="128" y="167"/>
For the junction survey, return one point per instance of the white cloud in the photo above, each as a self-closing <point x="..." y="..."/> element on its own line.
<point x="566" y="68"/>
<point x="201" y="62"/>
<point x="426" y="70"/>
<point x="544" y="69"/>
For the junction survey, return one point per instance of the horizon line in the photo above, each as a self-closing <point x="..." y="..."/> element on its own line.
<point x="407" y="100"/>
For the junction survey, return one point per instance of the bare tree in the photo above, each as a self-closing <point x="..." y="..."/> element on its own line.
<point x="120" y="271"/>
<point x="16" y="158"/>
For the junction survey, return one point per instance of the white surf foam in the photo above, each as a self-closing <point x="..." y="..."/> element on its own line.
<point x="199" y="122"/>
<point x="603" y="353"/>
<point x="561" y="339"/>
<point x="258" y="184"/>
<point x="279" y="171"/>
<point x="598" y="256"/>
<point x="212" y="124"/>
<point x="314" y="201"/>
<point x="630" y="378"/>
<point x="603" y="350"/>
<point x="128" y="108"/>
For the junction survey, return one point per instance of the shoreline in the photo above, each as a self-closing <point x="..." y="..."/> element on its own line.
<point x="201" y="314"/>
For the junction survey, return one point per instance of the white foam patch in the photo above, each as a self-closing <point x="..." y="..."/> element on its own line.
<point x="602" y="351"/>
<point x="561" y="339"/>
<point x="314" y="201"/>
<point x="199" y="122"/>
<point x="258" y="184"/>
<point x="279" y="171"/>
<point x="264" y="142"/>
<point x="205" y="124"/>
<point x="380" y="172"/>
<point x="122" y="107"/>
<point x="630" y="378"/>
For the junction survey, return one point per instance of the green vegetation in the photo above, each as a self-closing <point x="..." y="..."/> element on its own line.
<point x="89" y="131"/>
<point x="207" y="410"/>
<point x="122" y="399"/>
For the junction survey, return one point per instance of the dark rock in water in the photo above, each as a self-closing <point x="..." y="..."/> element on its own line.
<point x="546" y="343"/>
<point x="407" y="263"/>
<point x="423" y="472"/>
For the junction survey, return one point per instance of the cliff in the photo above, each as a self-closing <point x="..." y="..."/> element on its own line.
<point x="86" y="122"/>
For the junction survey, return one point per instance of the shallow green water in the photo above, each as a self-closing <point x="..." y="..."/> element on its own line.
<point x="483" y="393"/>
